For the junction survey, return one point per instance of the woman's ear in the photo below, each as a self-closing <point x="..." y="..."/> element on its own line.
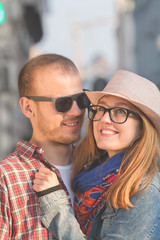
<point x="27" y="107"/>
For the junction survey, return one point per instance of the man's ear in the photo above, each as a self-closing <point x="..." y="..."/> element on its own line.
<point x="27" y="107"/>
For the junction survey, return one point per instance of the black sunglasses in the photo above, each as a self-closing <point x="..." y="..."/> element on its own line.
<point x="64" y="104"/>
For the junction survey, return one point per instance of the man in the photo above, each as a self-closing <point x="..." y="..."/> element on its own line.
<point x="51" y="97"/>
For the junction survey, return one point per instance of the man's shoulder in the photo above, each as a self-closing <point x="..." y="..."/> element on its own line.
<point x="12" y="156"/>
<point x="16" y="159"/>
<point x="9" y="162"/>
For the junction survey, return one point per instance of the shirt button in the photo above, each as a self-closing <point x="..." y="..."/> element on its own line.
<point x="41" y="150"/>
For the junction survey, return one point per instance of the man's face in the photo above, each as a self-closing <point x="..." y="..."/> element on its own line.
<point x="49" y="125"/>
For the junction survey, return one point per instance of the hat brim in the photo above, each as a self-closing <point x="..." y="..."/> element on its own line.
<point x="154" y="118"/>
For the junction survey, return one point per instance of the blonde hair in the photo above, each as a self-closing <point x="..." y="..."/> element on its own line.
<point x="137" y="168"/>
<point x="85" y="153"/>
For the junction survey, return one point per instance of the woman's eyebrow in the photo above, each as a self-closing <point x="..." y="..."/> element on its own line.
<point x="119" y="104"/>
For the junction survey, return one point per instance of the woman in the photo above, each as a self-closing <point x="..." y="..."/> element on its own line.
<point x="115" y="175"/>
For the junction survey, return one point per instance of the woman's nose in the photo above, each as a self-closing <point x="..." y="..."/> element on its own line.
<point x="106" y="118"/>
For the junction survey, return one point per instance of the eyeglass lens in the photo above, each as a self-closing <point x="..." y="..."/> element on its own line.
<point x="118" y="115"/>
<point x="64" y="104"/>
<point x="83" y="101"/>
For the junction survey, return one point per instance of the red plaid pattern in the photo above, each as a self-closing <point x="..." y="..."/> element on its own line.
<point x="19" y="213"/>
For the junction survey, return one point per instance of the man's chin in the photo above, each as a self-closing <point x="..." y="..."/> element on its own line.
<point x="72" y="140"/>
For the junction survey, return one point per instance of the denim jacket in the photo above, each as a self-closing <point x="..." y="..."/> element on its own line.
<point x="142" y="222"/>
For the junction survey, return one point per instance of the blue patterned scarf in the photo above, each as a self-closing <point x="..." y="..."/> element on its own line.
<point x="91" y="187"/>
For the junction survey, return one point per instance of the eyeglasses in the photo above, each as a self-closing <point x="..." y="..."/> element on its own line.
<point x="116" y="114"/>
<point x="64" y="104"/>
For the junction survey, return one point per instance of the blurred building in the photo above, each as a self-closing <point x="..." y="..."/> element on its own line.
<point x="22" y="28"/>
<point x="139" y="37"/>
<point x="147" y="25"/>
<point x="97" y="74"/>
<point x="126" y="35"/>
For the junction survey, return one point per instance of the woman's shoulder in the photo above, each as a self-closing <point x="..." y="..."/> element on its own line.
<point x="156" y="182"/>
<point x="149" y="195"/>
<point x="144" y="216"/>
<point x="143" y="199"/>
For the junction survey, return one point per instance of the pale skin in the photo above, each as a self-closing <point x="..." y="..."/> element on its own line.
<point x="54" y="131"/>
<point x="109" y="136"/>
<point x="114" y="137"/>
<point x="44" y="179"/>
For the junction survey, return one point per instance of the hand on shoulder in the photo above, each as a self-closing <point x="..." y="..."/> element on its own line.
<point x="44" y="179"/>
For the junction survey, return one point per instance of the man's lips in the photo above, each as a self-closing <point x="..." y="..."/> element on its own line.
<point x="72" y="124"/>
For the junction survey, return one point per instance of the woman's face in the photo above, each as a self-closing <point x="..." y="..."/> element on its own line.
<point x="114" y="137"/>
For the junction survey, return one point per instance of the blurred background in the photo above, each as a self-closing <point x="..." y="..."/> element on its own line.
<point x="100" y="36"/>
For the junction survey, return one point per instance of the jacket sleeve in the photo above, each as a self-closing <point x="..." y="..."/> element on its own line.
<point x="58" y="216"/>
<point x="140" y="222"/>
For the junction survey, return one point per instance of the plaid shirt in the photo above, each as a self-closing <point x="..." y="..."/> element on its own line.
<point x="19" y="212"/>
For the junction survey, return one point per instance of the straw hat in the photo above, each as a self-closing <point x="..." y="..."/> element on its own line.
<point x="138" y="90"/>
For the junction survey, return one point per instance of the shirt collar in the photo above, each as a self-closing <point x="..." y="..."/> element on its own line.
<point x="26" y="149"/>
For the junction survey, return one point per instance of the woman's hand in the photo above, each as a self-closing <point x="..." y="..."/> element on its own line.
<point x="44" y="179"/>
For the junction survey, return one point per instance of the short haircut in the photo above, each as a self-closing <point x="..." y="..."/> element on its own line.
<point x="26" y="75"/>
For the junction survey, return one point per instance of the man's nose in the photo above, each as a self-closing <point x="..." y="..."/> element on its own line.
<point x="75" y="110"/>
